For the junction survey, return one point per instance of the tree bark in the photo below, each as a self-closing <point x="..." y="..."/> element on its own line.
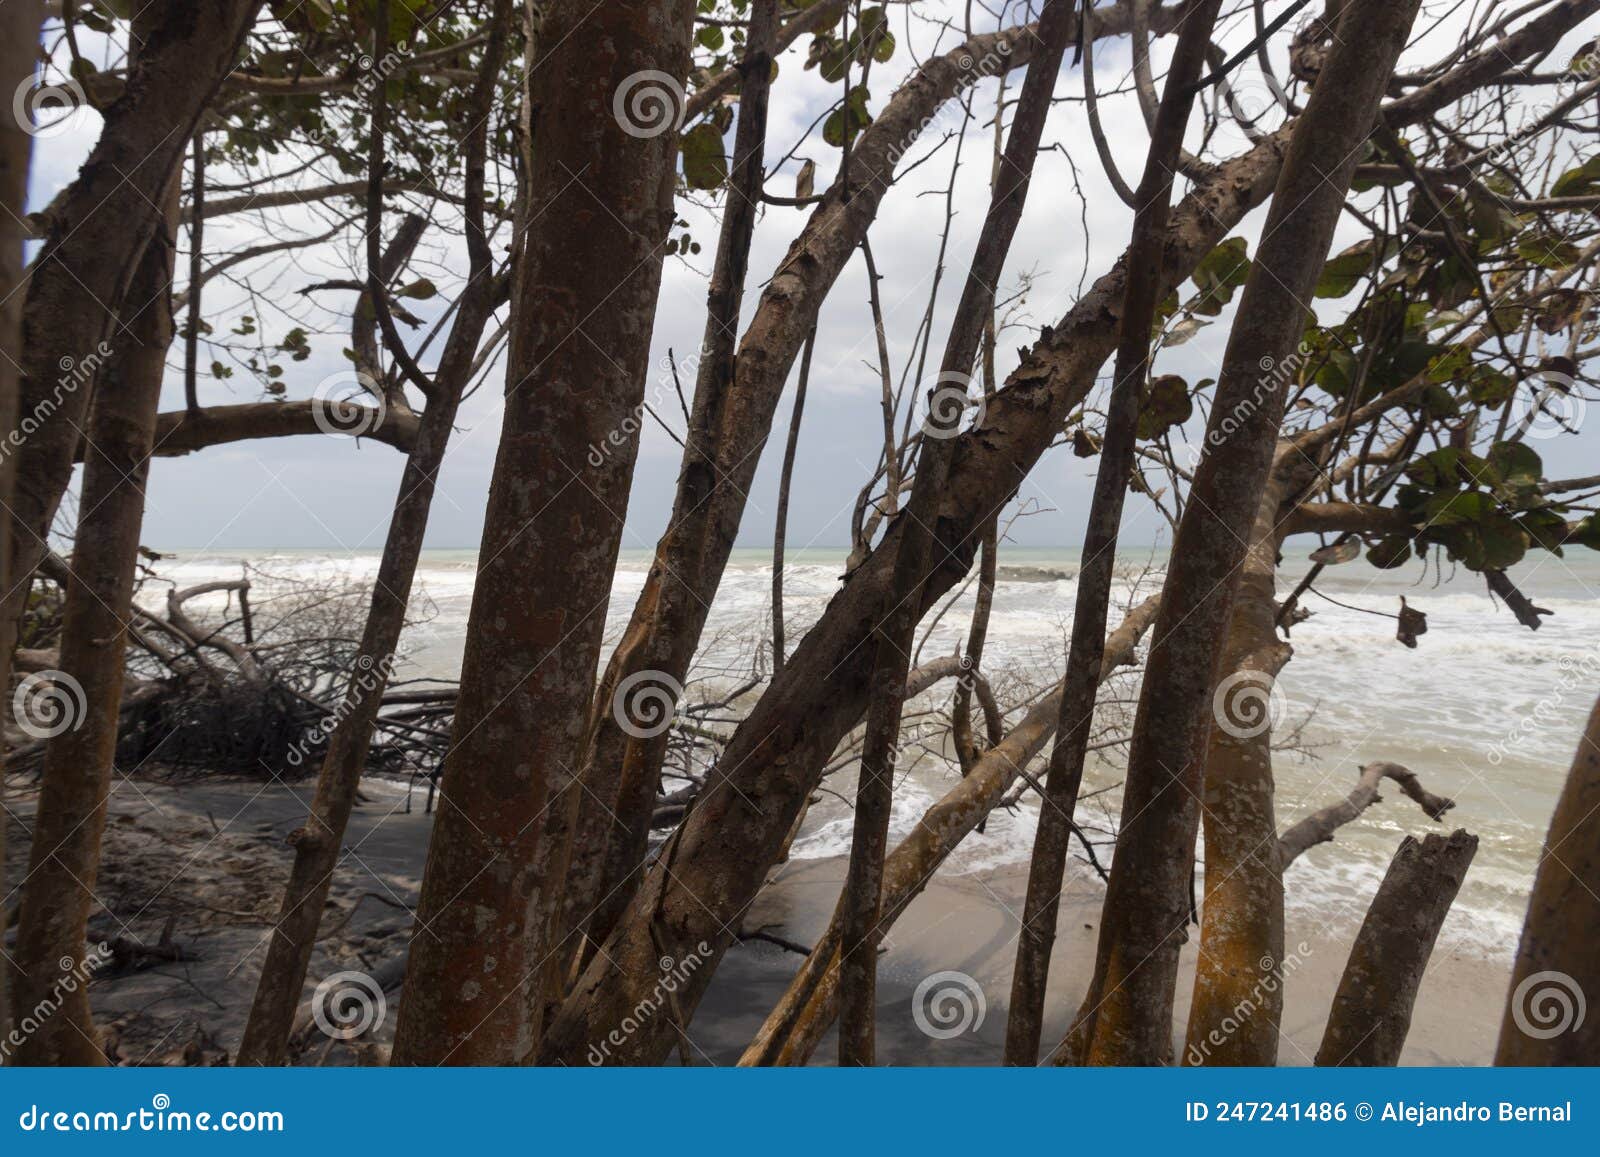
<point x="1240" y="965"/>
<point x="1126" y="1017"/>
<point x="579" y="352"/>
<point x="64" y="860"/>
<point x="661" y="658"/>
<point x="1153" y="201"/>
<point x="317" y="843"/>
<point x="1371" y="1012"/>
<point x="19" y="49"/>
<point x="1558" y="970"/>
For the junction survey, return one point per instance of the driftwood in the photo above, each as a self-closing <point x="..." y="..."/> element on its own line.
<point x="1371" y="1012"/>
<point x="1319" y="826"/>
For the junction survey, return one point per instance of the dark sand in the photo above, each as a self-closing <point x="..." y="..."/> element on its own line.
<point x="208" y="856"/>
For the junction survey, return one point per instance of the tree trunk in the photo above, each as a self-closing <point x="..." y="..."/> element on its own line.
<point x="780" y="529"/>
<point x="575" y="383"/>
<point x="19" y="49"/>
<point x="1558" y="970"/>
<point x="1240" y="965"/>
<point x="1025" y="1017"/>
<point x="1371" y="1012"/>
<point x="52" y="924"/>
<point x="100" y="229"/>
<point x="660" y="658"/>
<point x="1126" y="1017"/>
<point x="317" y="843"/>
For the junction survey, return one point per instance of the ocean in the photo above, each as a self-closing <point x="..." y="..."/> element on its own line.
<point x="1483" y="710"/>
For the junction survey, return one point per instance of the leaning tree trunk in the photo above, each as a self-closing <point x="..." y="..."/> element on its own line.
<point x="1558" y="970"/>
<point x="99" y="231"/>
<point x="581" y="321"/>
<point x="1241" y="925"/>
<point x="19" y="49"/>
<point x="1371" y="1011"/>
<point x="1025" y="1017"/>
<point x="317" y="843"/>
<point x="1126" y="1017"/>
<point x="52" y="924"/>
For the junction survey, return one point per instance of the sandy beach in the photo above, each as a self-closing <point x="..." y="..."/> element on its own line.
<point x="197" y="867"/>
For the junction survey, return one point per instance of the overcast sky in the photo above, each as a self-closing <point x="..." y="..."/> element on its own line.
<point x="333" y="494"/>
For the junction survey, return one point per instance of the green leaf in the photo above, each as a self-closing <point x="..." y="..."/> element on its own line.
<point x="1166" y="404"/>
<point x="1344" y="271"/>
<point x="1220" y="273"/>
<point x="705" y="165"/>
<point x="1390" y="552"/>
<point x="1517" y="465"/>
<point x="1577" y="182"/>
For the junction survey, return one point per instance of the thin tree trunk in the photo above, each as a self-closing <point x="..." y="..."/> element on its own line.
<point x="796" y="1025"/>
<point x="661" y="659"/>
<point x="1025" y="1018"/>
<point x="780" y="530"/>
<point x="52" y="924"/>
<point x="1558" y="969"/>
<point x="317" y="843"/>
<point x="860" y="929"/>
<point x="1126" y="1017"/>
<point x="581" y="322"/>
<point x="19" y="49"/>
<point x="1371" y="1011"/>
<point x="1240" y="965"/>
<point x="972" y="659"/>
